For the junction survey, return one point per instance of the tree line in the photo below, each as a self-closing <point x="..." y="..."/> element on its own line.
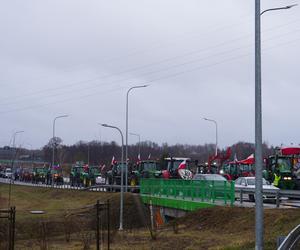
<point x="96" y="152"/>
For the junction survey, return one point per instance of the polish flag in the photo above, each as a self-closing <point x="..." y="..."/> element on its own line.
<point x="113" y="161"/>
<point x="182" y="165"/>
<point x="138" y="159"/>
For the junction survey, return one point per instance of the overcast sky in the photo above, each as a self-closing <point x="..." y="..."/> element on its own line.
<point x="80" y="57"/>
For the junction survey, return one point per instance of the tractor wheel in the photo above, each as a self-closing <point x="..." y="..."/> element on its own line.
<point x="251" y="197"/>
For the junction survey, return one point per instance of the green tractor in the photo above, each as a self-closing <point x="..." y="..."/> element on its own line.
<point x="144" y="169"/>
<point x="84" y="175"/>
<point x="113" y="176"/>
<point x="283" y="163"/>
<point x="39" y="174"/>
<point x="93" y="174"/>
<point x="77" y="174"/>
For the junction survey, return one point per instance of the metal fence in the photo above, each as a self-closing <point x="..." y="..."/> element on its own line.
<point x="7" y="228"/>
<point x="86" y="227"/>
<point x="187" y="194"/>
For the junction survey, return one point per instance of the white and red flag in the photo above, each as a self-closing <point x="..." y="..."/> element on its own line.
<point x="182" y="165"/>
<point x="113" y="161"/>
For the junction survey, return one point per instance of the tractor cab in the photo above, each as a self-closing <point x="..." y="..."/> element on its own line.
<point x="235" y="169"/>
<point x="148" y="169"/>
<point x="177" y="168"/>
<point x="284" y="162"/>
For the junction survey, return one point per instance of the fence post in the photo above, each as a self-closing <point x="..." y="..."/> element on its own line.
<point x="13" y="226"/>
<point x="241" y="196"/>
<point x="202" y="187"/>
<point x="108" y="226"/>
<point x="97" y="234"/>
<point x="213" y="191"/>
<point x="277" y="199"/>
<point x="225" y="192"/>
<point x="232" y="193"/>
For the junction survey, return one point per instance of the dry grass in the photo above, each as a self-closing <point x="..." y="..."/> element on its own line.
<point x="214" y="228"/>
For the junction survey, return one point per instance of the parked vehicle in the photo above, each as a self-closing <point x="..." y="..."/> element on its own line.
<point x="39" y="175"/>
<point x="8" y="173"/>
<point x="214" y="183"/>
<point x="177" y="168"/>
<point x="84" y="175"/>
<point x="209" y="177"/>
<point x="77" y="174"/>
<point x="26" y="174"/>
<point x="144" y="169"/>
<point x="94" y="176"/>
<point x="285" y="162"/>
<point x="56" y="176"/>
<point x="113" y="176"/>
<point x="249" y="183"/>
<point x="235" y="169"/>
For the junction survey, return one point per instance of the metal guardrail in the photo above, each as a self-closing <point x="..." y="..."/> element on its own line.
<point x="277" y="194"/>
<point x="291" y="240"/>
<point x="97" y="187"/>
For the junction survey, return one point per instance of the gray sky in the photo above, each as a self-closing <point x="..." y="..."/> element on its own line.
<point x="80" y="57"/>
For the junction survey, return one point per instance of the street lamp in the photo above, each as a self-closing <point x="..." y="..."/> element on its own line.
<point x="259" y="230"/>
<point x="12" y="165"/>
<point x="53" y="136"/>
<point x="210" y="120"/>
<point x="126" y="150"/>
<point x="139" y="137"/>
<point x="122" y="174"/>
<point x="14" y="136"/>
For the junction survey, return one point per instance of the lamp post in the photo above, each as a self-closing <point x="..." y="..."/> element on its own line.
<point x="53" y="136"/>
<point x="216" y="124"/>
<point x="14" y="136"/>
<point x="139" y="137"/>
<point x="12" y="164"/>
<point x="259" y="230"/>
<point x="126" y="148"/>
<point x="122" y="175"/>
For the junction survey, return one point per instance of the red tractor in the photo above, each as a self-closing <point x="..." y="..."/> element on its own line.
<point x="235" y="169"/>
<point x="216" y="161"/>
<point x="177" y="168"/>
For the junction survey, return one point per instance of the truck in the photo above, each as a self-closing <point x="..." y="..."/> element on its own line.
<point x="286" y="163"/>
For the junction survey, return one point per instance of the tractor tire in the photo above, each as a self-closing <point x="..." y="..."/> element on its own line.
<point x="252" y="197"/>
